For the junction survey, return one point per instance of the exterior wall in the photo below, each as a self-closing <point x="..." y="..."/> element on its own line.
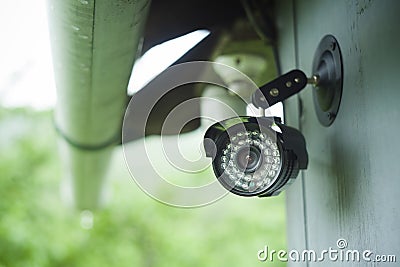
<point x="350" y="189"/>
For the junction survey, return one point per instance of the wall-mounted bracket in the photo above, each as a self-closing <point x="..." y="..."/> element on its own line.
<point x="279" y="89"/>
<point x="328" y="68"/>
<point x="327" y="80"/>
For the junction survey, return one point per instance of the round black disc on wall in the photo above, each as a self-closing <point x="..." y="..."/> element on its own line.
<point x="328" y="71"/>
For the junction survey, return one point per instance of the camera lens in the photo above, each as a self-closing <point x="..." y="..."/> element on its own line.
<point x="255" y="156"/>
<point x="248" y="159"/>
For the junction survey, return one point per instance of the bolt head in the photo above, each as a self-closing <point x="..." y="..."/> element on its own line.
<point x="274" y="92"/>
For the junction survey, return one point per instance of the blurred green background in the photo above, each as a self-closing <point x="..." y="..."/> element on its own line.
<point x="38" y="229"/>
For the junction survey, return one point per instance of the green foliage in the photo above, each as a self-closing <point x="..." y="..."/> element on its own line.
<point x="38" y="229"/>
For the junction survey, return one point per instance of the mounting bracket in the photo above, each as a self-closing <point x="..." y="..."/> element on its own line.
<point x="328" y="67"/>
<point x="327" y="80"/>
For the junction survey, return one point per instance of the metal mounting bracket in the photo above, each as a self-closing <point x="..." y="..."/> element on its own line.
<point x="328" y="69"/>
<point x="327" y="80"/>
<point x="279" y="89"/>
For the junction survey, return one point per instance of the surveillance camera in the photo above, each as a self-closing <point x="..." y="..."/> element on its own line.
<point x="255" y="156"/>
<point x="260" y="156"/>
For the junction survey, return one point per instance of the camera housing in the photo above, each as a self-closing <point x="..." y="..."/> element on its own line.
<point x="255" y="156"/>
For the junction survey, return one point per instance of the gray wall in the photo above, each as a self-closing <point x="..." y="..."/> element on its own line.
<point x="351" y="188"/>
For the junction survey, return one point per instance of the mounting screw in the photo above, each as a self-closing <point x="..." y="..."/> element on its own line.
<point x="330" y="115"/>
<point x="333" y="46"/>
<point x="274" y="92"/>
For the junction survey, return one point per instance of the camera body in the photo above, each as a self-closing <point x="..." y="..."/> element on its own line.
<point x="255" y="156"/>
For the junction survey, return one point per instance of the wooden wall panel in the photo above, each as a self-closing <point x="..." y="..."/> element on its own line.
<point x="350" y="188"/>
